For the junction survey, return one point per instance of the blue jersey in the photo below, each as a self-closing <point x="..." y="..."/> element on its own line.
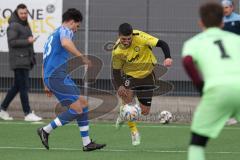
<point x="55" y="57"/>
<point x="232" y="23"/>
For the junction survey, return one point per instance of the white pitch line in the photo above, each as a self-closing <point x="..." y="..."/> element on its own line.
<point x="21" y="123"/>
<point x="110" y="150"/>
<point x="93" y="124"/>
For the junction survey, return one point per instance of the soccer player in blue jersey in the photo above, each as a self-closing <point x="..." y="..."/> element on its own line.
<point x="57" y="52"/>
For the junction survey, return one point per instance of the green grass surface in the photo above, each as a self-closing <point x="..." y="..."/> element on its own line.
<point x="19" y="141"/>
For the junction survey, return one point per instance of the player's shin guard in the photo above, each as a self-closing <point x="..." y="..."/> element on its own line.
<point x="133" y="126"/>
<point x="83" y="124"/>
<point x="61" y="120"/>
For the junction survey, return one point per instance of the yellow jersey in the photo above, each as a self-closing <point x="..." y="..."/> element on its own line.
<point x="138" y="59"/>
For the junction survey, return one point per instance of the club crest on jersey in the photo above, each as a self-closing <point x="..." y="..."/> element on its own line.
<point x="137" y="49"/>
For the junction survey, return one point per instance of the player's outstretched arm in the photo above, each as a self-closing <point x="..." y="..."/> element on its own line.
<point x="166" y="51"/>
<point x="70" y="47"/>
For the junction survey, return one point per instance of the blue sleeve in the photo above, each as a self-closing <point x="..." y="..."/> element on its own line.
<point x="65" y="33"/>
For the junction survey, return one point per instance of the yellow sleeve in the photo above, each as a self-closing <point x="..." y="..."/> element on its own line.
<point x="149" y="39"/>
<point x="117" y="62"/>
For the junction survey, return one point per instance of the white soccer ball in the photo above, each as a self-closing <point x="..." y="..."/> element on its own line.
<point x="165" y="117"/>
<point x="131" y="112"/>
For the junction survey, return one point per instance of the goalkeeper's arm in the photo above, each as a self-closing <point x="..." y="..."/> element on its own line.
<point x="193" y="73"/>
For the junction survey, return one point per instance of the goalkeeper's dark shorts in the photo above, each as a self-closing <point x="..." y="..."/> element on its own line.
<point x="143" y="88"/>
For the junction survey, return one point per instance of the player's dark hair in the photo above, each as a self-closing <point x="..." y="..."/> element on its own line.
<point x="72" y="14"/>
<point x="125" y="29"/>
<point x="21" y="6"/>
<point x="211" y="14"/>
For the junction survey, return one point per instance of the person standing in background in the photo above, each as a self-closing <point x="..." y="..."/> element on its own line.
<point x="232" y="24"/>
<point x="231" y="19"/>
<point x="22" y="60"/>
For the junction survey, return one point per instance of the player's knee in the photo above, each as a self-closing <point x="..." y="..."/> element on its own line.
<point x="76" y="106"/>
<point x="145" y="101"/>
<point x="78" y="110"/>
<point x="127" y="99"/>
<point x="145" y="109"/>
<point x="145" y="113"/>
<point x="199" y="140"/>
<point x="83" y="102"/>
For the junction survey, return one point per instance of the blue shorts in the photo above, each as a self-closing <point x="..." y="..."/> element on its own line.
<point x="64" y="89"/>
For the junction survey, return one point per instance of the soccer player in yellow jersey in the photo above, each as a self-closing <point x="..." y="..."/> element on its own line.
<point x="132" y="63"/>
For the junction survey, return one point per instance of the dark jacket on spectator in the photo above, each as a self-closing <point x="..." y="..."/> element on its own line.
<point x="21" y="53"/>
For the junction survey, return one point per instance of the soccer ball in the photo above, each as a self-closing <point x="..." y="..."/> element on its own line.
<point x="165" y="117"/>
<point x="130" y="112"/>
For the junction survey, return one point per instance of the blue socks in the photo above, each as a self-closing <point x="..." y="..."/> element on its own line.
<point x="83" y="124"/>
<point x="61" y="120"/>
<point x="68" y="116"/>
